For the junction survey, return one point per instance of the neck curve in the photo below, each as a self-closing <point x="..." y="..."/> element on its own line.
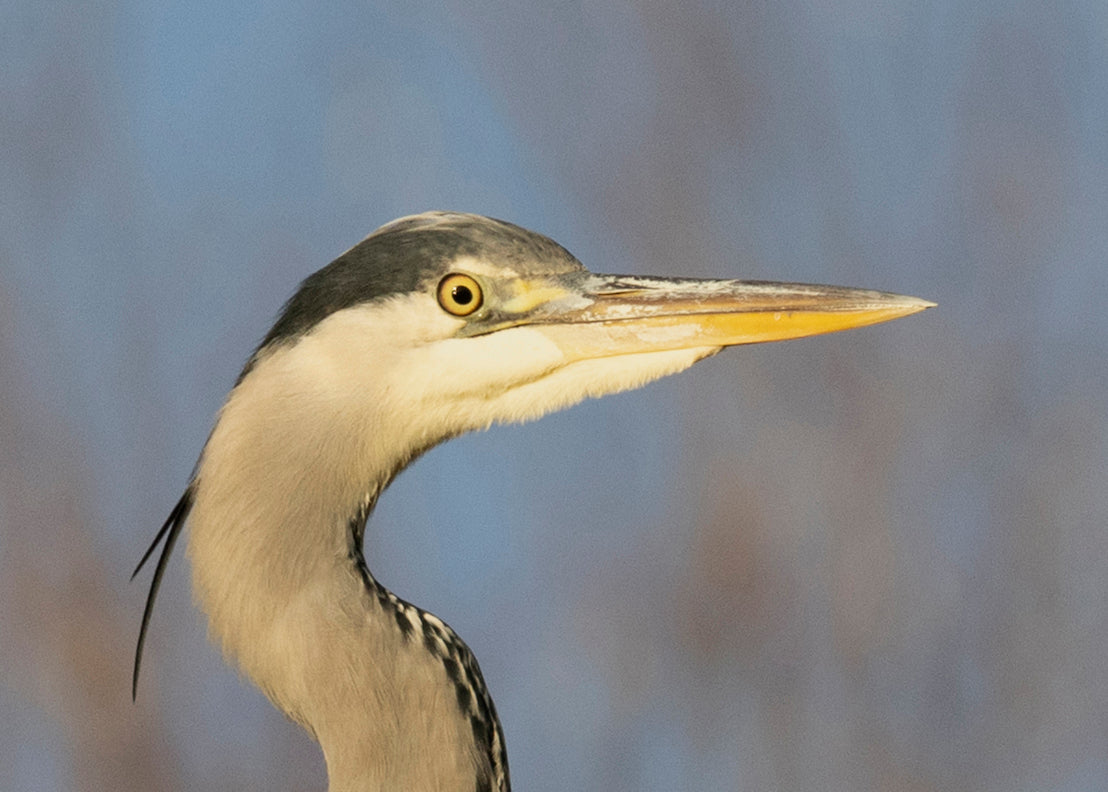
<point x="278" y="506"/>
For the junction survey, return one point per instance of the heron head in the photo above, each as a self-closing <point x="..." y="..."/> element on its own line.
<point x="450" y="322"/>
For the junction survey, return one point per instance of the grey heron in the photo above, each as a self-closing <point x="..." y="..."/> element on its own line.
<point x="434" y="325"/>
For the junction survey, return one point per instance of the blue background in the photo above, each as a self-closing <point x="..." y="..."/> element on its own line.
<point x="876" y="560"/>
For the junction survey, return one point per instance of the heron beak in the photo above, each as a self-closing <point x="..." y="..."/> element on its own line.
<point x="618" y="315"/>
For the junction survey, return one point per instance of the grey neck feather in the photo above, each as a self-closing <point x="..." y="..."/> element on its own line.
<point x="278" y="502"/>
<point x="394" y="697"/>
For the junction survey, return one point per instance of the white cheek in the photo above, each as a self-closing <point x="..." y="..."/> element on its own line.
<point x="590" y="379"/>
<point x="455" y="385"/>
<point x="461" y="367"/>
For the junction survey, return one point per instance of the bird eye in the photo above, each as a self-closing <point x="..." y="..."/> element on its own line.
<point x="459" y="294"/>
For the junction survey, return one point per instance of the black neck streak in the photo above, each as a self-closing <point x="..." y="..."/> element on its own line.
<point x="460" y="666"/>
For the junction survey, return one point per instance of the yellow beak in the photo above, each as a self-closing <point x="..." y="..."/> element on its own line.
<point x="619" y="315"/>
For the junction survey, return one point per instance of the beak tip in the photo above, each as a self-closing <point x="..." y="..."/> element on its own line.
<point x="901" y="304"/>
<point x="916" y="304"/>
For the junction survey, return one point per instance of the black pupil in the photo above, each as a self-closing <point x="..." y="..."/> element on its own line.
<point x="462" y="295"/>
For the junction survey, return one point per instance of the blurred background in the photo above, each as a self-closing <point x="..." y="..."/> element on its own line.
<point x="870" y="561"/>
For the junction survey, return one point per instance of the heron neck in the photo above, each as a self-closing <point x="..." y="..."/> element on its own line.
<point x="393" y="697"/>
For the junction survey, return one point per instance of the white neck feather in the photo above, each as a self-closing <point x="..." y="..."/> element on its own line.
<point x="298" y="452"/>
<point x="305" y="443"/>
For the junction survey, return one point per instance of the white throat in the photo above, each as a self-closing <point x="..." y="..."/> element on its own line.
<point x="306" y="441"/>
<point x="296" y="459"/>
